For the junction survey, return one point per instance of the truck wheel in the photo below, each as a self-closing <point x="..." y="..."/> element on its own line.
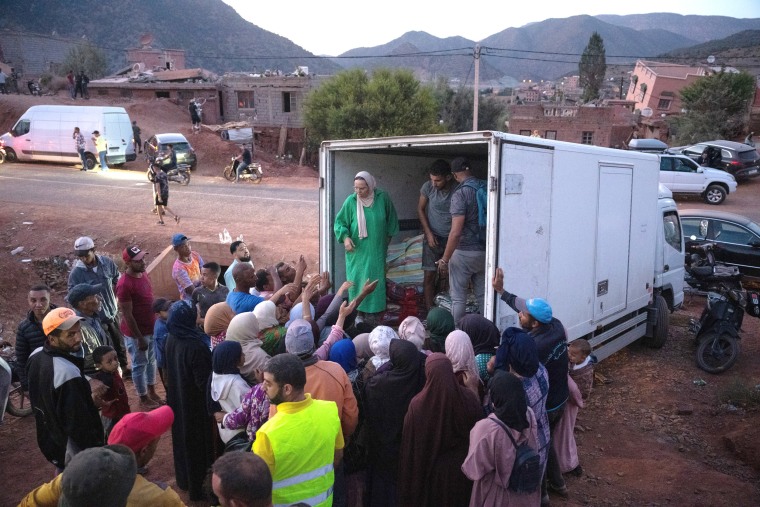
<point x="91" y="161"/>
<point x="717" y="353"/>
<point x="660" y="327"/>
<point x="715" y="194"/>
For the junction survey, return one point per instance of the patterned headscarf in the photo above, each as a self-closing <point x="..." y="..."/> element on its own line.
<point x="379" y="342"/>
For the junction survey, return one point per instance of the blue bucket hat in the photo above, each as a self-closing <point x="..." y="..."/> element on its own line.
<point x="539" y="309"/>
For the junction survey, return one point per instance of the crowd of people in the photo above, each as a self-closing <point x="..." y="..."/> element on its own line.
<point x="283" y="390"/>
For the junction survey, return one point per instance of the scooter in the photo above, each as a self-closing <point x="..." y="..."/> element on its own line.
<point x="34" y="87"/>
<point x="717" y="330"/>
<point x="180" y="174"/>
<point x="251" y="173"/>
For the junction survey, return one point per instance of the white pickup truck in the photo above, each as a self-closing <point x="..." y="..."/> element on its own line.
<point x="681" y="175"/>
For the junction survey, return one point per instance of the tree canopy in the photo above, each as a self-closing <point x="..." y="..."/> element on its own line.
<point x="86" y="57"/>
<point x="354" y="104"/>
<point x="716" y="108"/>
<point x="592" y="67"/>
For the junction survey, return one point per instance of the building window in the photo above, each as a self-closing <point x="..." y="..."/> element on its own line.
<point x="551" y="134"/>
<point x="245" y="100"/>
<point x="663" y="104"/>
<point x="162" y="95"/>
<point x="185" y="95"/>
<point x="288" y="102"/>
<point x="587" y="137"/>
<point x="525" y="132"/>
<point x="125" y="92"/>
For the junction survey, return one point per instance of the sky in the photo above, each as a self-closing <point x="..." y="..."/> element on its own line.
<point x="332" y="27"/>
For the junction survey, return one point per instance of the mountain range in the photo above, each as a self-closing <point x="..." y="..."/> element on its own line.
<point x="215" y="37"/>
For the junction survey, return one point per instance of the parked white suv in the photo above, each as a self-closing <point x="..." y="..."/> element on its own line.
<point x="681" y="175"/>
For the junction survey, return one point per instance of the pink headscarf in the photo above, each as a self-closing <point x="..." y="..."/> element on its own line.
<point x="460" y="352"/>
<point x="411" y="329"/>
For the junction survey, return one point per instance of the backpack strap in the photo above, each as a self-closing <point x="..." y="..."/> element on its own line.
<point x="506" y="429"/>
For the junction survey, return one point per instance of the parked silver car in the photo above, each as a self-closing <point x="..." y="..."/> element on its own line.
<point x="157" y="145"/>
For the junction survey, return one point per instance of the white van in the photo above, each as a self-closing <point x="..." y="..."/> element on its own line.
<point x="44" y="134"/>
<point x="583" y="226"/>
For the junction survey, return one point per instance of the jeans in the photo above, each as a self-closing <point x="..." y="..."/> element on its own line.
<point x="240" y="168"/>
<point x="466" y="266"/>
<point x="143" y="364"/>
<point x="84" y="159"/>
<point x="102" y="155"/>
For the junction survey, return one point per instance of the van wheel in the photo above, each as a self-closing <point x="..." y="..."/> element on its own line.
<point x="10" y="155"/>
<point x="91" y="161"/>
<point x="715" y="194"/>
<point x="660" y="328"/>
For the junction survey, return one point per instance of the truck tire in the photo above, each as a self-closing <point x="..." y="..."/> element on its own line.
<point x="91" y="161"/>
<point x="715" y="194"/>
<point x="717" y="353"/>
<point x="660" y="327"/>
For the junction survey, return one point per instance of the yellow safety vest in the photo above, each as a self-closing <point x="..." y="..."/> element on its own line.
<point x="303" y="444"/>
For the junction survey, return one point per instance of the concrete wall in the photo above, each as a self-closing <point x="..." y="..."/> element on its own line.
<point x="157" y="58"/>
<point x="160" y="270"/>
<point x="33" y="54"/>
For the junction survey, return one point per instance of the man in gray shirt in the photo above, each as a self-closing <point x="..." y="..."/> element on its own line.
<point x="100" y="270"/>
<point x="434" y="212"/>
<point x="465" y="255"/>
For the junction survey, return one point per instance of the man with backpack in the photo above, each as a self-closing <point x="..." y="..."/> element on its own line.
<point x="465" y="256"/>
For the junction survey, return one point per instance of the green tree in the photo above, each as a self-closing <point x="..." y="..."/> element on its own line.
<point x="592" y="67"/>
<point x="716" y="107"/>
<point x="85" y="57"/>
<point x="456" y="114"/>
<point x="354" y="104"/>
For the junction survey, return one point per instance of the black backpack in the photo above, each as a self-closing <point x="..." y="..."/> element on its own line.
<point x="526" y="473"/>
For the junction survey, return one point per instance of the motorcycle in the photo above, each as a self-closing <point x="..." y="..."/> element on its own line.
<point x="180" y="174"/>
<point x="34" y="87"/>
<point x="717" y="330"/>
<point x="251" y="173"/>
<point x="18" y="404"/>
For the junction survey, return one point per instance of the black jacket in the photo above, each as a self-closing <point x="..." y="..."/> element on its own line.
<point x="29" y="336"/>
<point x="63" y="408"/>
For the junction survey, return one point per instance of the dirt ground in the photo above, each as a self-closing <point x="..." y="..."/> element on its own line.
<point x="650" y="435"/>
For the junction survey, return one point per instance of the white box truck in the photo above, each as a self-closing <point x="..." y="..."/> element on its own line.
<point x="44" y="134"/>
<point x="587" y="228"/>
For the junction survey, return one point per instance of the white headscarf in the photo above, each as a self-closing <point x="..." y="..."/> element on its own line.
<point x="266" y="313"/>
<point x="361" y="222"/>
<point x="460" y="352"/>
<point x="411" y="329"/>
<point x="379" y="343"/>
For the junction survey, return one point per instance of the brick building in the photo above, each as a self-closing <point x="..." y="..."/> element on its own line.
<point x="609" y="125"/>
<point x="656" y="85"/>
<point x="35" y="54"/>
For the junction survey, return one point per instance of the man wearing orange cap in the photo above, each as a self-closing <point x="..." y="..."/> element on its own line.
<point x="67" y="418"/>
<point x="140" y="431"/>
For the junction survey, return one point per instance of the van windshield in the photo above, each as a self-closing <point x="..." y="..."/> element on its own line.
<point x="21" y="128"/>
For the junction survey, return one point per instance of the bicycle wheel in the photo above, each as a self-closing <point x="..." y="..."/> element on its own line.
<point x="18" y="401"/>
<point x="717" y="353"/>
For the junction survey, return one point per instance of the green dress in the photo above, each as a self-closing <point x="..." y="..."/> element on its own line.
<point x="367" y="261"/>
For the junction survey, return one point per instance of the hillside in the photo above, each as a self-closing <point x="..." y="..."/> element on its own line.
<point x="741" y="50"/>
<point x="213" y="34"/>
<point x="698" y="28"/>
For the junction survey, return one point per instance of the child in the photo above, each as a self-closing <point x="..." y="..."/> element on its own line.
<point x="160" y="332"/>
<point x="227" y="388"/>
<point x="580" y="380"/>
<point x="581" y="365"/>
<point x="115" y="400"/>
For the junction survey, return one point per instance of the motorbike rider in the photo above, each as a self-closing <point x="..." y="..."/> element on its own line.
<point x="244" y="159"/>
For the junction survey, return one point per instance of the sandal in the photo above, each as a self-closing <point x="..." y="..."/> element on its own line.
<point x="160" y="222"/>
<point x="176" y="218"/>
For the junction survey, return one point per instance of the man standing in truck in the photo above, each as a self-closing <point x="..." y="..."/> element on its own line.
<point x="465" y="256"/>
<point x="434" y="212"/>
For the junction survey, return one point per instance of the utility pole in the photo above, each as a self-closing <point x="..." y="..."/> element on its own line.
<point x="477" y="87"/>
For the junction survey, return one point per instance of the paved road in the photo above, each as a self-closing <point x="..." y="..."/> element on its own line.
<point x="118" y="190"/>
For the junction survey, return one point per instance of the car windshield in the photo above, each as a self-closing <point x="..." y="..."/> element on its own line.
<point x="181" y="147"/>
<point x="748" y="155"/>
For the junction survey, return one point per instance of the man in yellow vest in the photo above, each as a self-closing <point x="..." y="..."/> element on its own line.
<point x="303" y="441"/>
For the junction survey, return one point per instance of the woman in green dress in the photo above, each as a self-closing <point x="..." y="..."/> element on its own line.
<point x="365" y="225"/>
